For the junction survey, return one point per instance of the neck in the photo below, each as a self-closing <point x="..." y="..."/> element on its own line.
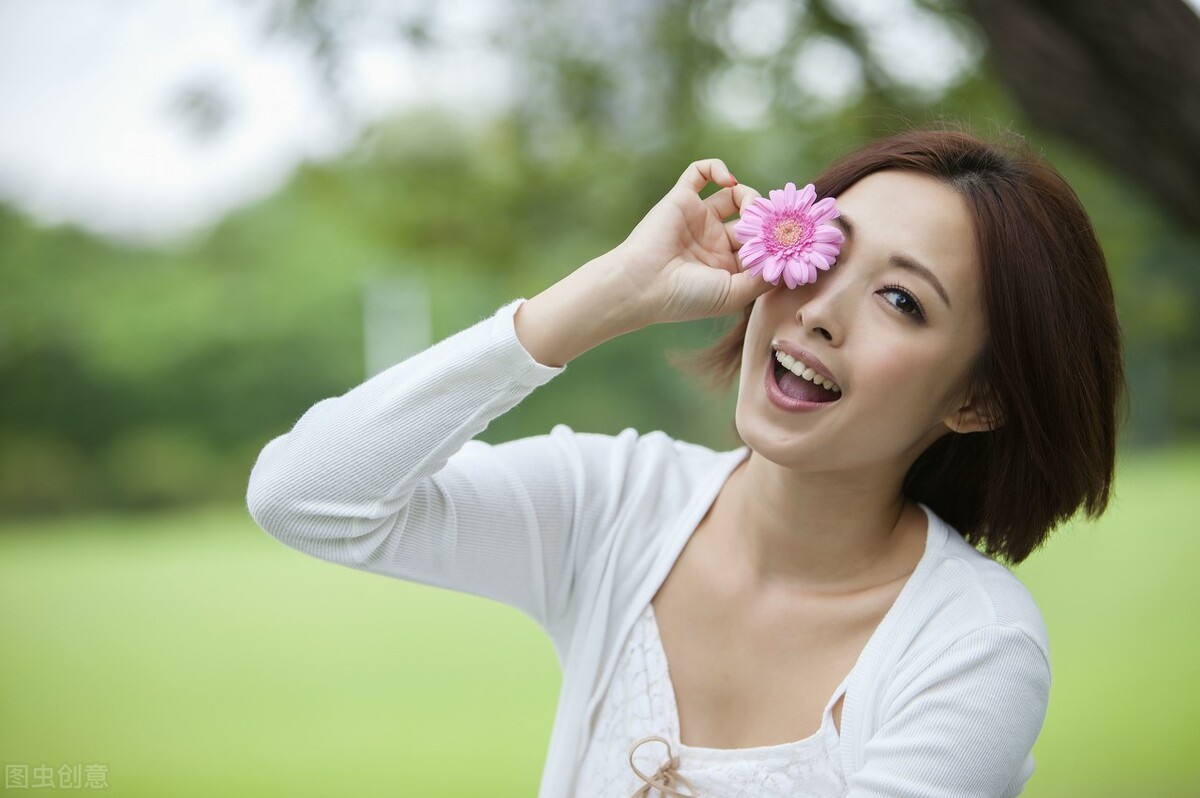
<point x="820" y="531"/>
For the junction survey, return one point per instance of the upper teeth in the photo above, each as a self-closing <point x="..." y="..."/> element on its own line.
<point x="800" y="370"/>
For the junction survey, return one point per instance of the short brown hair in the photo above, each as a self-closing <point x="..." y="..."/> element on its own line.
<point x="1051" y="360"/>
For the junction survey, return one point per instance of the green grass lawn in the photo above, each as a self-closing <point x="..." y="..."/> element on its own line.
<point x="192" y="655"/>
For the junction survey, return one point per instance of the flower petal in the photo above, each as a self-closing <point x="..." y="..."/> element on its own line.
<point x="792" y="198"/>
<point x="746" y="229"/>
<point x="762" y="205"/>
<point x="772" y="269"/>
<point x="807" y="195"/>
<point x="752" y="215"/>
<point x="825" y="210"/>
<point x="752" y="252"/>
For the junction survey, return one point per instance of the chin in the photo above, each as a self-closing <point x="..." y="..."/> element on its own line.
<point x="768" y="441"/>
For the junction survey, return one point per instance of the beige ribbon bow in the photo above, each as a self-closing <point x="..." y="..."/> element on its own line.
<point x="665" y="779"/>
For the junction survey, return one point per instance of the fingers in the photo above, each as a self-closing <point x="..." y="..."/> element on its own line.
<point x="710" y="170"/>
<point x="744" y="289"/>
<point x="734" y="243"/>
<point x="730" y="201"/>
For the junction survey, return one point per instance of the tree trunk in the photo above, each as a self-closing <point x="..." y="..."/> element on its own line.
<point x="1120" y="78"/>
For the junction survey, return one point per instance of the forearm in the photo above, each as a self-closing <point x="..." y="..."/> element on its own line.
<point x="354" y="459"/>
<point x="579" y="312"/>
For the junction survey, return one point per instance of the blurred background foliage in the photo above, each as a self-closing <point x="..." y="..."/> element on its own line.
<point x="149" y="376"/>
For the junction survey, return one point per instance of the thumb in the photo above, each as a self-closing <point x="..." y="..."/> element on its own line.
<point x="744" y="289"/>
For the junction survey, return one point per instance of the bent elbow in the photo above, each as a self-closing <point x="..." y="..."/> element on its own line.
<point x="280" y="503"/>
<point x="322" y="527"/>
<point x="273" y="507"/>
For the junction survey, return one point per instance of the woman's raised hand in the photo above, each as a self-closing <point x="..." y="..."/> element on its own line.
<point x="680" y="263"/>
<point x="682" y="257"/>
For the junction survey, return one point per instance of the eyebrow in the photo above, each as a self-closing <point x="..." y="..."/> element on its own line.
<point x="901" y="261"/>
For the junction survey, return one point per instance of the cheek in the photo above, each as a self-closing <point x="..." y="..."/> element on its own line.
<point x="755" y="322"/>
<point x="752" y="345"/>
<point x="912" y="387"/>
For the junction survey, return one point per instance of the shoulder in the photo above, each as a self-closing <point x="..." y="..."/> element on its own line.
<point x="637" y="462"/>
<point x="964" y="595"/>
<point x="640" y="491"/>
<point x="964" y="666"/>
<point x="987" y="588"/>
<point x="644" y="487"/>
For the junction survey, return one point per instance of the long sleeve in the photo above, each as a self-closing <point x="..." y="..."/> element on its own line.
<point x="387" y="478"/>
<point x="965" y="726"/>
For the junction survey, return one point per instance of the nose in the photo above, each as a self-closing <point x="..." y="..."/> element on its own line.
<point x="822" y="310"/>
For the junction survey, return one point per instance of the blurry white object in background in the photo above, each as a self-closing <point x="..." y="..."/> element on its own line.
<point x="396" y="319"/>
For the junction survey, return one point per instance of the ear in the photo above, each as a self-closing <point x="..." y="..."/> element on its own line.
<point x="976" y="413"/>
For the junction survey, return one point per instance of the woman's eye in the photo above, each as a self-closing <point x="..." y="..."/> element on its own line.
<point x="903" y="301"/>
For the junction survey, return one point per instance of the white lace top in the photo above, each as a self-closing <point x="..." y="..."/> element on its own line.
<point x="640" y="702"/>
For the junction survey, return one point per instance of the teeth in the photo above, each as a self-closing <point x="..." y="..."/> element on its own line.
<point x="800" y="370"/>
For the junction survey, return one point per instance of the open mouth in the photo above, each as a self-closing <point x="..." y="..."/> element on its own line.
<point x="801" y="383"/>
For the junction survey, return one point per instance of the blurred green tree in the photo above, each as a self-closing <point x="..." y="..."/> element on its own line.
<point x="143" y="377"/>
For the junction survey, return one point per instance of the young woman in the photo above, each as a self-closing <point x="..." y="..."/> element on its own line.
<point x="821" y="611"/>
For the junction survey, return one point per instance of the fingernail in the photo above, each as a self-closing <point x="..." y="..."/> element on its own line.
<point x="734" y="179"/>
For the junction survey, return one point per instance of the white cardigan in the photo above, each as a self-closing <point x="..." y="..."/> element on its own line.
<point x="578" y="530"/>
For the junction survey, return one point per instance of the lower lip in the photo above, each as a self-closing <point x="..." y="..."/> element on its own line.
<point x="785" y="402"/>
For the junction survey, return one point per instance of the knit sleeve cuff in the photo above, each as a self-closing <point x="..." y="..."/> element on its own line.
<point x="523" y="368"/>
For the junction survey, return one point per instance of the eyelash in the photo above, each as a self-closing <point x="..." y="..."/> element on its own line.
<point x="919" y="312"/>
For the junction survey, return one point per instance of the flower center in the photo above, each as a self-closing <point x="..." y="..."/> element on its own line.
<point x="788" y="232"/>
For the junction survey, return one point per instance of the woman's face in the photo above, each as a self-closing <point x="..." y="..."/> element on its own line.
<point x="897" y="348"/>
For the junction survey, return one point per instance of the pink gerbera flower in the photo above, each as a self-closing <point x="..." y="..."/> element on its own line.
<point x="789" y="235"/>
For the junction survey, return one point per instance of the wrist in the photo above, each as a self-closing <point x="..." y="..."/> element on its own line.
<point x="579" y="312"/>
<point x="613" y="293"/>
